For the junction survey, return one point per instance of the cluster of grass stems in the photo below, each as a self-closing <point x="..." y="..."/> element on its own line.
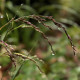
<point x="40" y="19"/>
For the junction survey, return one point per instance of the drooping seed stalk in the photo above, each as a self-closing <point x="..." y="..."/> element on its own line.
<point x="37" y="29"/>
<point x="6" y="46"/>
<point x="40" y="20"/>
<point x="60" y="26"/>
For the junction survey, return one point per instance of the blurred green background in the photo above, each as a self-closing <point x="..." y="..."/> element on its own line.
<point x="61" y="66"/>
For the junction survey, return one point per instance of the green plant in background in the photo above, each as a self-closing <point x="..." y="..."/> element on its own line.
<point x="23" y="24"/>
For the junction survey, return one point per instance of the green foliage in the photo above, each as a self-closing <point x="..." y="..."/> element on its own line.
<point x="27" y="43"/>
